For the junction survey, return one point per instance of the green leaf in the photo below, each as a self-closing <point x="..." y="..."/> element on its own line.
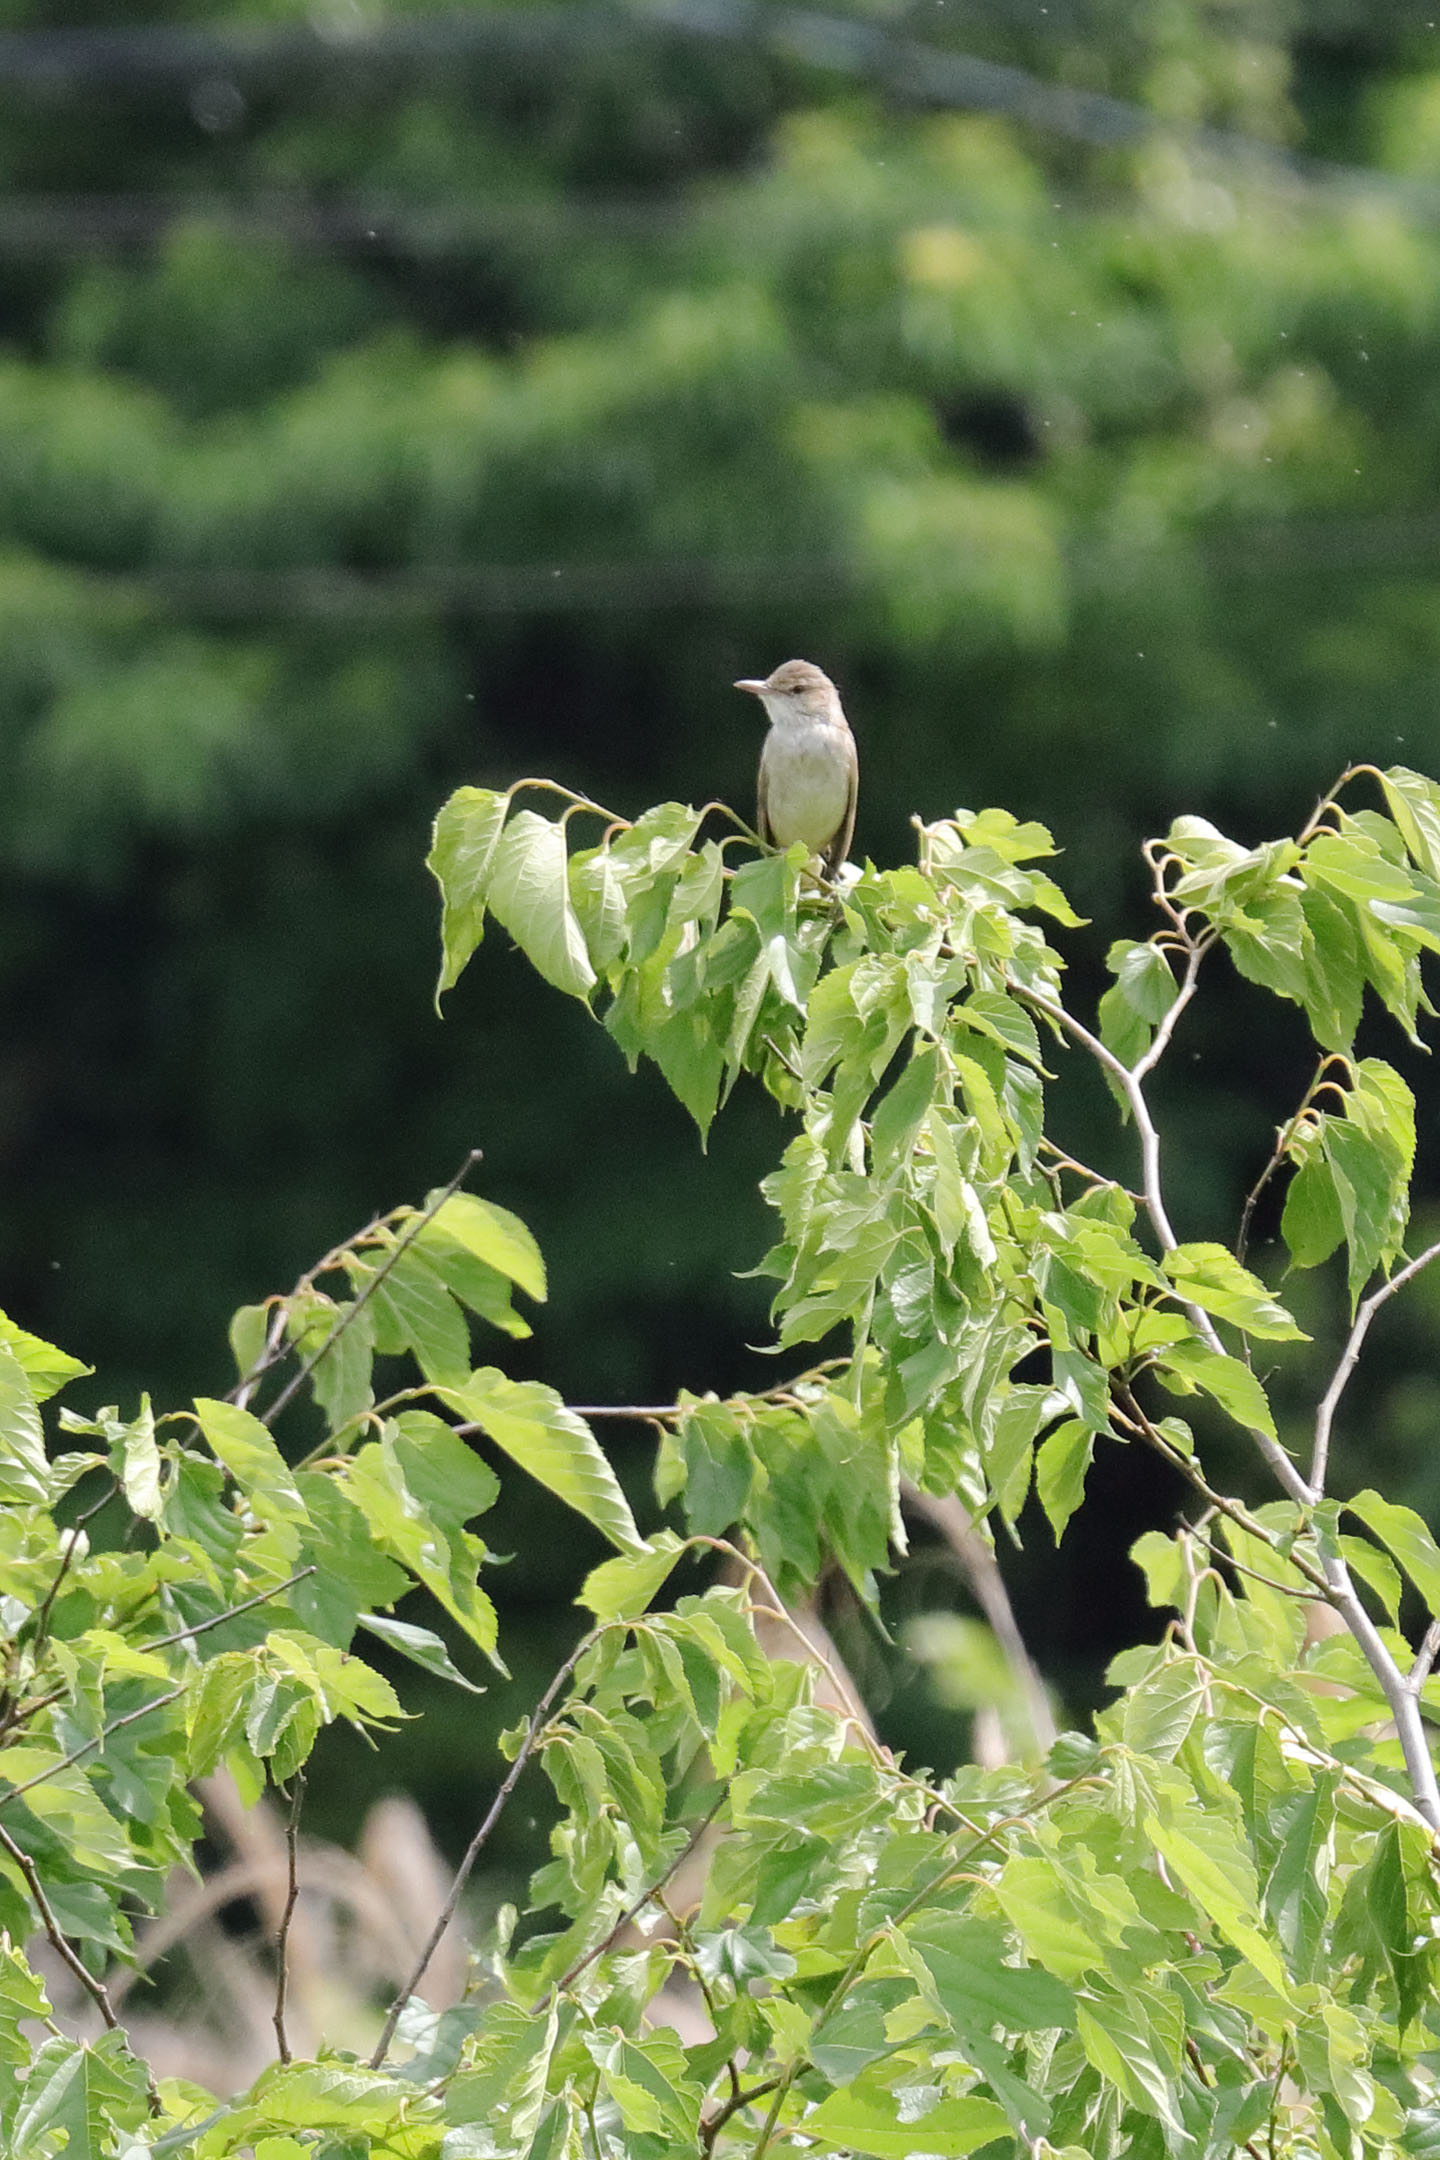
<point x="449" y="1479"/>
<point x="1160" y="1710"/>
<point x="1144" y="978"/>
<point x="719" y="1467"/>
<point x="1208" y="1860"/>
<point x="140" y="1464"/>
<point x="252" y="1458"/>
<point x="24" y="1472"/>
<point x="421" y="1646"/>
<point x="1061" y="1462"/>
<point x="1312" y="1224"/>
<point x="46" y="1368"/>
<point x="979" y="1986"/>
<point x="558" y="1449"/>
<point x="622" y="1588"/>
<point x="867" y="2118"/>
<point x="1212" y="1278"/>
<point x="1414" y="803"/>
<point x="1407" y="1536"/>
<point x="529" y="895"/>
<point x="1295" y="1892"/>
<point x="411" y="1300"/>
<point x="461" y="860"/>
<point x="493" y="1235"/>
<point x="650" y="2102"/>
<point x="85" y="2092"/>
<point x="1187" y="1365"/>
<point x="1120" y="2037"/>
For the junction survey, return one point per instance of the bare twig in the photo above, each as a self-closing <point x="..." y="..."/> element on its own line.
<point x="1277" y="1155"/>
<point x="473" y="1850"/>
<point x="401" y="1246"/>
<point x="292" y="1893"/>
<point x="1350" y="1357"/>
<point x="1183" y="995"/>
<point x="233" y="1612"/>
<point x="645" y="1413"/>
<point x="94" y="1988"/>
<point x="710" y="2130"/>
<point x="1425" y="1658"/>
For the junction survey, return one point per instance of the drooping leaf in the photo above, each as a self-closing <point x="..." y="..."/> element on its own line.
<point x="461" y="859"/>
<point x="531" y="1423"/>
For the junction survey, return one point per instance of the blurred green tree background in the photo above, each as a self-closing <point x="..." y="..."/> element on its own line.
<point x="391" y="397"/>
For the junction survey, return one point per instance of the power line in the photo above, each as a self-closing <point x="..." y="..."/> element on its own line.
<point x="907" y="69"/>
<point x="423" y="591"/>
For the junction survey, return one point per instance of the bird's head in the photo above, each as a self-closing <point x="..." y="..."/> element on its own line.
<point x="797" y="690"/>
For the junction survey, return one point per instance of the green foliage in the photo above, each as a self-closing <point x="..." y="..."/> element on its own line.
<point x="1208" y="1925"/>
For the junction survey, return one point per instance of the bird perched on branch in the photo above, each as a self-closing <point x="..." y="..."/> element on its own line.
<point x="809" y="770"/>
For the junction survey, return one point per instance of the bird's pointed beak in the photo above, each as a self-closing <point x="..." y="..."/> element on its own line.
<point x="756" y="689"/>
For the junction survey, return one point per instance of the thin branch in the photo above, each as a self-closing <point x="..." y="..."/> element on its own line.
<point x="72" y="1540"/>
<point x="1425" y="1658"/>
<point x="638" y="1905"/>
<point x="1334" y="1582"/>
<point x="1277" y="1155"/>
<point x="646" y="1413"/>
<point x="397" y="1250"/>
<point x="1183" y="995"/>
<point x="292" y="1893"/>
<point x="203" y="1627"/>
<point x="94" y="1988"/>
<point x="710" y="2130"/>
<point x="1285" y="1472"/>
<point x="473" y="1850"/>
<point x="68" y="1762"/>
<point x="274" y="1349"/>
<point x="1350" y="1357"/>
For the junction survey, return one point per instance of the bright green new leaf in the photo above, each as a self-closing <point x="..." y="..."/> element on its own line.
<point x="46" y="1368"/>
<point x="246" y="1449"/>
<point x="1061" y="1461"/>
<point x="1208" y="1860"/>
<point x="461" y="859"/>
<point x="1407" y="1536"/>
<point x="868" y="2118"/>
<point x="421" y="1646"/>
<point x="1212" y="1278"/>
<point x="623" y="1588"/>
<point x="1414" y="803"/>
<point x="140" y="1464"/>
<point x="529" y="895"/>
<point x="1192" y="1365"/>
<point x="24" y="1472"/>
<point x="531" y="1423"/>
<point x="493" y="1235"/>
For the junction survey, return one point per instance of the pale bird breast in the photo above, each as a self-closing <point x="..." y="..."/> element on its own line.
<point x="807" y="783"/>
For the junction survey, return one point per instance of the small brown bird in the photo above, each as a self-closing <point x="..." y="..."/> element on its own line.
<point x="809" y="770"/>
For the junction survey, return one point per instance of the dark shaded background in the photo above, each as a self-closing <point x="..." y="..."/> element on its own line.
<point x="391" y="397"/>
